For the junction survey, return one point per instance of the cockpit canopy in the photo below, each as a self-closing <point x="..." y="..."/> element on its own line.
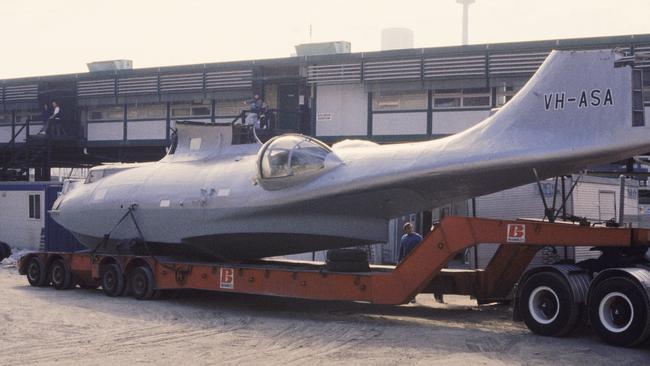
<point x="289" y="159"/>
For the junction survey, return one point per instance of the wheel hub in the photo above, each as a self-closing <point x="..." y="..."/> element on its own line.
<point x="616" y="312"/>
<point x="57" y="274"/>
<point x="544" y="305"/>
<point x="33" y="272"/>
<point x="109" y="281"/>
<point x="139" y="284"/>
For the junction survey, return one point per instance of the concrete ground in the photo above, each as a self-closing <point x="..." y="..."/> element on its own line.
<point x="45" y="326"/>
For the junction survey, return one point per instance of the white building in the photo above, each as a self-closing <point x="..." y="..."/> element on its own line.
<point x="22" y="214"/>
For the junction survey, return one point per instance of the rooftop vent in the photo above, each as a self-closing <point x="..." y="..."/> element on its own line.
<point x="110" y="65"/>
<point x="323" y="48"/>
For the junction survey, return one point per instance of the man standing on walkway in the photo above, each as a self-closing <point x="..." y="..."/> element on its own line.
<point x="55" y="120"/>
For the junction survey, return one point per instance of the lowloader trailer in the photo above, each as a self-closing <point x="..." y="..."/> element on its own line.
<point x="612" y="293"/>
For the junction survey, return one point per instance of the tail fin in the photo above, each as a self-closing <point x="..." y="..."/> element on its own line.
<point x="578" y="102"/>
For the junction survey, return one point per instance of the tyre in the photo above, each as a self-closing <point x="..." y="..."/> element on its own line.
<point x="36" y="273"/>
<point x="60" y="275"/>
<point x="5" y="251"/>
<point x="619" y="312"/>
<point x="347" y="255"/>
<point x="141" y="283"/>
<point x="346" y="266"/>
<point x="546" y="305"/>
<point x="113" y="283"/>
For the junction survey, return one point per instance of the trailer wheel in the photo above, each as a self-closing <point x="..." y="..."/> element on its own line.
<point x="546" y="306"/>
<point x="142" y="284"/>
<point x="36" y="274"/>
<point x="5" y="251"/>
<point x="619" y="311"/>
<point x="60" y="275"/>
<point x="113" y="280"/>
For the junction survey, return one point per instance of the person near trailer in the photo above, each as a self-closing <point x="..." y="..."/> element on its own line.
<point x="45" y="118"/>
<point x="409" y="240"/>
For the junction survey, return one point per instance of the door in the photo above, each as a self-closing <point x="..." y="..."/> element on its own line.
<point x="288" y="108"/>
<point x="606" y="205"/>
<point x="63" y="92"/>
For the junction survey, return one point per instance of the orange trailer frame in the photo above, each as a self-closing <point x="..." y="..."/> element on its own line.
<point x="421" y="271"/>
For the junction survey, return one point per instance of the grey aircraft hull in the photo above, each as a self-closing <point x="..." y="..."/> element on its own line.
<point x="240" y="201"/>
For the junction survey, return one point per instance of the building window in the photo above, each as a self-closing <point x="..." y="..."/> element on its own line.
<point x="646" y="86"/>
<point x="229" y="108"/>
<point x="32" y="115"/>
<point x="462" y="98"/>
<point x="113" y="113"/>
<point x="146" y="111"/>
<point x="477" y="97"/>
<point x="399" y="100"/>
<point x="505" y="93"/>
<point x="191" y="109"/>
<point x="35" y="206"/>
<point x="447" y="99"/>
<point x="5" y="118"/>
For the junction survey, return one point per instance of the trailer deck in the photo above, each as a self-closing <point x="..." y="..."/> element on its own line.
<point x="421" y="271"/>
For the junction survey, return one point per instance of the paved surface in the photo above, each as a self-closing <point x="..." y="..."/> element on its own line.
<point x="45" y="326"/>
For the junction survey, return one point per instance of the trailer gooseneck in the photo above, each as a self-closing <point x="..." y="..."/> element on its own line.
<point x="612" y="293"/>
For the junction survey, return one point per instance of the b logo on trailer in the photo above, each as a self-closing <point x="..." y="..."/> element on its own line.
<point x="226" y="278"/>
<point x="516" y="233"/>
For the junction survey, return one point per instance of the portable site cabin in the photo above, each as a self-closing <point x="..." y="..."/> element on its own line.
<point x="24" y="220"/>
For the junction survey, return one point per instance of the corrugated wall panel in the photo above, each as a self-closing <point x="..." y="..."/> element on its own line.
<point x="392" y="70"/>
<point x="18" y="93"/>
<point x="516" y="63"/>
<point x="334" y="74"/>
<point x="181" y="82"/>
<point x="91" y="88"/>
<point x="233" y="79"/>
<point x="137" y="85"/>
<point x="443" y="67"/>
<point x="645" y="49"/>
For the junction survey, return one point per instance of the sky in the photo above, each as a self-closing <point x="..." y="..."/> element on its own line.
<point x="45" y="37"/>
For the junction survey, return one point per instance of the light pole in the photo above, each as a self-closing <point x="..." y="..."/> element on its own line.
<point x="466" y="4"/>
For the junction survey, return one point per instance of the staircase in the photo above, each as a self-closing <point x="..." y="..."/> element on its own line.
<point x="16" y="158"/>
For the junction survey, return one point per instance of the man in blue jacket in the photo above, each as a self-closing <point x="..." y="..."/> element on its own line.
<point x="409" y="241"/>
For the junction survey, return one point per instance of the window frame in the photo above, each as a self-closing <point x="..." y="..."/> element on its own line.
<point x="130" y="108"/>
<point x="102" y="109"/>
<point x="34" y="206"/>
<point x="21" y="116"/>
<point x="462" y="95"/>
<point x="190" y="106"/>
<point x="399" y="97"/>
<point x="7" y="118"/>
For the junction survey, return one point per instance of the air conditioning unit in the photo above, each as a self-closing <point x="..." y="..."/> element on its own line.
<point x="323" y="48"/>
<point x="110" y="65"/>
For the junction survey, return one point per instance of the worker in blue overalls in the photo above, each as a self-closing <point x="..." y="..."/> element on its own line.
<point x="410" y="240"/>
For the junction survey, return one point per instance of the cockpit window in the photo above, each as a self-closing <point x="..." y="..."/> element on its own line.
<point x="94" y="175"/>
<point x="292" y="155"/>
